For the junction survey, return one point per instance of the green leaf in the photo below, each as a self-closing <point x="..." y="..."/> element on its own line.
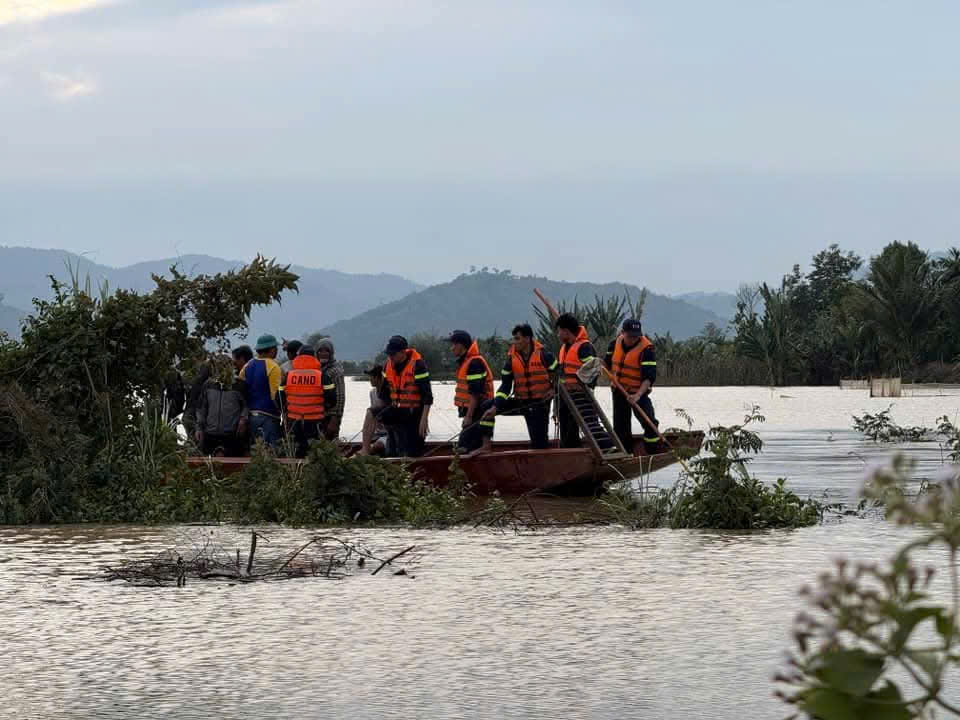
<point x="945" y="626"/>
<point x="907" y="620"/>
<point x="828" y="704"/>
<point x="850" y="671"/>
<point x="885" y="704"/>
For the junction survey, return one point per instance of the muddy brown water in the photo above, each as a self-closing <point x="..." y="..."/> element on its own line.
<point x="572" y="623"/>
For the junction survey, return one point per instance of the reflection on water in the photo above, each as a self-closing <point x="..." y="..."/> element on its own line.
<point x="574" y="623"/>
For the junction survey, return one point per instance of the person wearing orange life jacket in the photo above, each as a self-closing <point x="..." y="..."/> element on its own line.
<point x="307" y="393"/>
<point x="407" y="398"/>
<point x="632" y="361"/>
<point x="474" y="389"/>
<point x="528" y="373"/>
<point x="576" y="350"/>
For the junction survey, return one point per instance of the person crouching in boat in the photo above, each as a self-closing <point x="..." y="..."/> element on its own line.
<point x="632" y="361"/>
<point x="529" y="373"/>
<point x="576" y="353"/>
<point x="375" y="438"/>
<point x="474" y="388"/>
<point x="308" y="391"/>
<point x="407" y="395"/>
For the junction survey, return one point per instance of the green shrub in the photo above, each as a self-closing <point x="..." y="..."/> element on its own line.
<point x="720" y="493"/>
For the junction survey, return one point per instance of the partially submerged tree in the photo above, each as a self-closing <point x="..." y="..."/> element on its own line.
<point x="96" y="359"/>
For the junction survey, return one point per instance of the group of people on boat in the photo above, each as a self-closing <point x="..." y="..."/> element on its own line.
<point x="248" y="396"/>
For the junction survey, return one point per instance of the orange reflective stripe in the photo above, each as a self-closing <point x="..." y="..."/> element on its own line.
<point x="404" y="392"/>
<point x="626" y="363"/>
<point x="531" y="380"/>
<point x="462" y="396"/>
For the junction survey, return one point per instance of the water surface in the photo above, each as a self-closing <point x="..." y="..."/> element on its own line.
<point x="573" y="623"/>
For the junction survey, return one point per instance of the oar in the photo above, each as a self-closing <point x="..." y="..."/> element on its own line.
<point x="615" y="383"/>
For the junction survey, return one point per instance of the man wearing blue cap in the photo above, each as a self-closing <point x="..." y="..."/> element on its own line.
<point x="632" y="361"/>
<point x="262" y="377"/>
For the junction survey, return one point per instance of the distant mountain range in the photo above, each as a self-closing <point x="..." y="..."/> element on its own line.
<point x="722" y="304"/>
<point x="484" y="303"/>
<point x="325" y="296"/>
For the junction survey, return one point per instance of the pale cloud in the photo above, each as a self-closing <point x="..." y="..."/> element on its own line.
<point x="13" y="11"/>
<point x="65" y="87"/>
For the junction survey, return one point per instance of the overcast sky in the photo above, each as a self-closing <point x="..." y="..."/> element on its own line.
<point x="681" y="145"/>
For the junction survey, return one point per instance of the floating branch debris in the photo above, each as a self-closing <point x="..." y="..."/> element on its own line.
<point x="323" y="556"/>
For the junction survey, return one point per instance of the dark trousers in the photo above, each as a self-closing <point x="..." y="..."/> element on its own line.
<point x="472" y="437"/>
<point x="570" y="431"/>
<point x="403" y="429"/>
<point x="537" y="416"/>
<point x="303" y="432"/>
<point x="224" y="445"/>
<point x="623" y="420"/>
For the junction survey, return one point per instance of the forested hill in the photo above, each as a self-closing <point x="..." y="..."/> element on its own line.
<point x="325" y="295"/>
<point x="484" y="303"/>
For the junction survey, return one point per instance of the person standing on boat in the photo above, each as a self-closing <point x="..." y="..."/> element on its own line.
<point x="528" y="373"/>
<point x="576" y="352"/>
<point x="407" y="394"/>
<point x="327" y="355"/>
<point x="307" y="392"/>
<point x="262" y="377"/>
<point x="222" y="414"/>
<point x="632" y="361"/>
<point x="474" y="388"/>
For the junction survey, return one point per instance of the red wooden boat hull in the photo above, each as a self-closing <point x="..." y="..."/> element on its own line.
<point x="514" y="469"/>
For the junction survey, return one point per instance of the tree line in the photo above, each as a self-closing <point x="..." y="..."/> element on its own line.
<point x="896" y="315"/>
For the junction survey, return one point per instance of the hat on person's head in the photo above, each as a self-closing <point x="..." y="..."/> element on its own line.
<point x="307" y="350"/>
<point x="632" y="328"/>
<point x="398" y="343"/>
<point x="265" y="342"/>
<point x="460" y="336"/>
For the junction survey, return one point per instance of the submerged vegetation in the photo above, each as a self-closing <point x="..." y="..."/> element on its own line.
<point x="719" y="492"/>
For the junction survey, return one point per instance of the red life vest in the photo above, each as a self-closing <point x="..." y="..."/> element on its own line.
<point x="404" y="392"/>
<point x="628" y="365"/>
<point x="531" y="381"/>
<point x="462" y="397"/>
<point x="570" y="358"/>
<point x="304" y="389"/>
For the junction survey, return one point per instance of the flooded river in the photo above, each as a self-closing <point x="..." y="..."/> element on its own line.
<point x="580" y="623"/>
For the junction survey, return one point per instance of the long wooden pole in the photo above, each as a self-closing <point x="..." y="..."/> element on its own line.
<point x="636" y="406"/>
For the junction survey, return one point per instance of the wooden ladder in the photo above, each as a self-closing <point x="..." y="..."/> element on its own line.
<point x="595" y="427"/>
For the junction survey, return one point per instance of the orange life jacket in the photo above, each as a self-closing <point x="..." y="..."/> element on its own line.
<point x="628" y="365"/>
<point x="570" y="358"/>
<point x="404" y="392"/>
<point x="531" y="381"/>
<point x="304" y="389"/>
<point x="462" y="397"/>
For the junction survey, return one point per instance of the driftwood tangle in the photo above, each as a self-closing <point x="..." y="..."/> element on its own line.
<point x="322" y="556"/>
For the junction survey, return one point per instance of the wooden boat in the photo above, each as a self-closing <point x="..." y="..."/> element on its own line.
<point x="512" y="468"/>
